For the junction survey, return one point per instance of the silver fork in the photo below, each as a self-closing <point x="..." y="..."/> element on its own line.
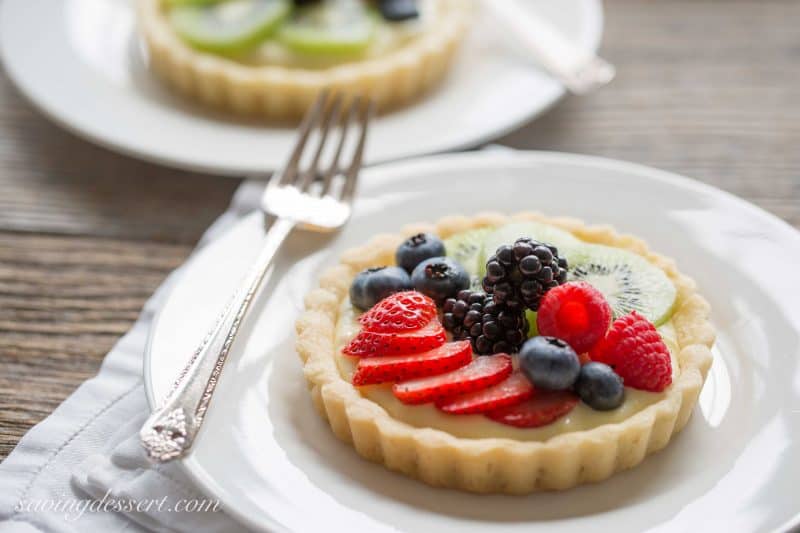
<point x="580" y="70"/>
<point x="288" y="202"/>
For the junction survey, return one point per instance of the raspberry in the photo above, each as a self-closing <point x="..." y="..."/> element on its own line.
<point x="575" y="312"/>
<point x="443" y="359"/>
<point x="635" y="350"/>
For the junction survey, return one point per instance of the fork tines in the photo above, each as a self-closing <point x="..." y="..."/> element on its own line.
<point x="330" y="112"/>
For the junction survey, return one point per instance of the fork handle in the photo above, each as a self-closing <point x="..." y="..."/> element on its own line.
<point x="171" y="429"/>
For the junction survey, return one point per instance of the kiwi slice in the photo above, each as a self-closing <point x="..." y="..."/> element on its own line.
<point x="174" y="3"/>
<point x="333" y="27"/>
<point x="466" y="248"/>
<point x="533" y="328"/>
<point x="228" y="27"/>
<point x="628" y="281"/>
<point x="561" y="239"/>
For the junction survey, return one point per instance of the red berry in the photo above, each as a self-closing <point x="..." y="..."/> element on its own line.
<point x="402" y="311"/>
<point x="443" y="359"/>
<point x="481" y="373"/>
<point x="543" y="408"/>
<point x="369" y="343"/>
<point x="515" y="389"/>
<point x="635" y="350"/>
<point x="575" y="312"/>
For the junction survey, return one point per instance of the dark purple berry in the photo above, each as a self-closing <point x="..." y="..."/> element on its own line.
<point x="492" y="327"/>
<point x="519" y="275"/>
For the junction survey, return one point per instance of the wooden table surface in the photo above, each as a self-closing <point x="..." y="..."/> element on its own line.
<point x="705" y="88"/>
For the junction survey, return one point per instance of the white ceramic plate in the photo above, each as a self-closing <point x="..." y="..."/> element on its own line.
<point x="275" y="464"/>
<point x="81" y="63"/>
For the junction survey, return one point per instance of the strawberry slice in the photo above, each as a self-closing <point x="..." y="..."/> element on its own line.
<point x="515" y="389"/>
<point x="542" y="409"/>
<point x="398" y="313"/>
<point x="369" y="343"/>
<point x="443" y="359"/>
<point x="481" y="373"/>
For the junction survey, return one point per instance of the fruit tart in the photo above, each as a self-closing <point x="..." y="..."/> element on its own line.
<point x="270" y="58"/>
<point x="505" y="354"/>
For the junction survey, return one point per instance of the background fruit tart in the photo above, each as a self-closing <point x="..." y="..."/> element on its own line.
<point x="270" y="58"/>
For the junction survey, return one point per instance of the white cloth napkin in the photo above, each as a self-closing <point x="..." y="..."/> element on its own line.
<point x="85" y="457"/>
<point x="88" y="450"/>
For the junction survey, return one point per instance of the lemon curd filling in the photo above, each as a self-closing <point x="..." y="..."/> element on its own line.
<point x="582" y="417"/>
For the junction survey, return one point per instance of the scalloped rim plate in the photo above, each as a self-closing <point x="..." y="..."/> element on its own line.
<point x="275" y="465"/>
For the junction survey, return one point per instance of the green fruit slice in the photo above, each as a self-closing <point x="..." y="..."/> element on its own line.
<point x="628" y="281"/>
<point x="533" y="327"/>
<point x="175" y="3"/>
<point x="561" y="239"/>
<point x="333" y="27"/>
<point x="466" y="248"/>
<point x="228" y="27"/>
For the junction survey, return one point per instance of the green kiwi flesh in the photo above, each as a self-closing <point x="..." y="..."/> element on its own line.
<point x="175" y="3"/>
<point x="561" y="239"/>
<point x="467" y="248"/>
<point x="229" y="27"/>
<point x="628" y="281"/>
<point x="334" y="27"/>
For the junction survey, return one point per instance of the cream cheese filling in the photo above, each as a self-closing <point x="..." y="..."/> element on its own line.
<point x="582" y="417"/>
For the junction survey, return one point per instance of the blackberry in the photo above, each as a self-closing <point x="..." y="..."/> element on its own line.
<point x="517" y="276"/>
<point x="491" y="327"/>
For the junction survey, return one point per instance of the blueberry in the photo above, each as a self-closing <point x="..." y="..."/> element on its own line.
<point x="549" y="363"/>
<point x="398" y="9"/>
<point x="418" y="248"/>
<point x="440" y="278"/>
<point x="374" y="284"/>
<point x="600" y="387"/>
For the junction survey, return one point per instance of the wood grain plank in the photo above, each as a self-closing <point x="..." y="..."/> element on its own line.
<point x="59" y="315"/>
<point x="52" y="181"/>
<point x="704" y="88"/>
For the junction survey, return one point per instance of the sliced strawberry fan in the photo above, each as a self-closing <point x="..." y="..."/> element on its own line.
<point x="448" y="357"/>
<point x="545" y="407"/>
<point x="401" y="312"/>
<point x="481" y="373"/>
<point x="513" y="390"/>
<point x="402" y="342"/>
<point x="370" y="343"/>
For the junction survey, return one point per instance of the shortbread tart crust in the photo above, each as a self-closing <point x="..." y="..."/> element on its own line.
<point x="283" y="93"/>
<point x="495" y="464"/>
